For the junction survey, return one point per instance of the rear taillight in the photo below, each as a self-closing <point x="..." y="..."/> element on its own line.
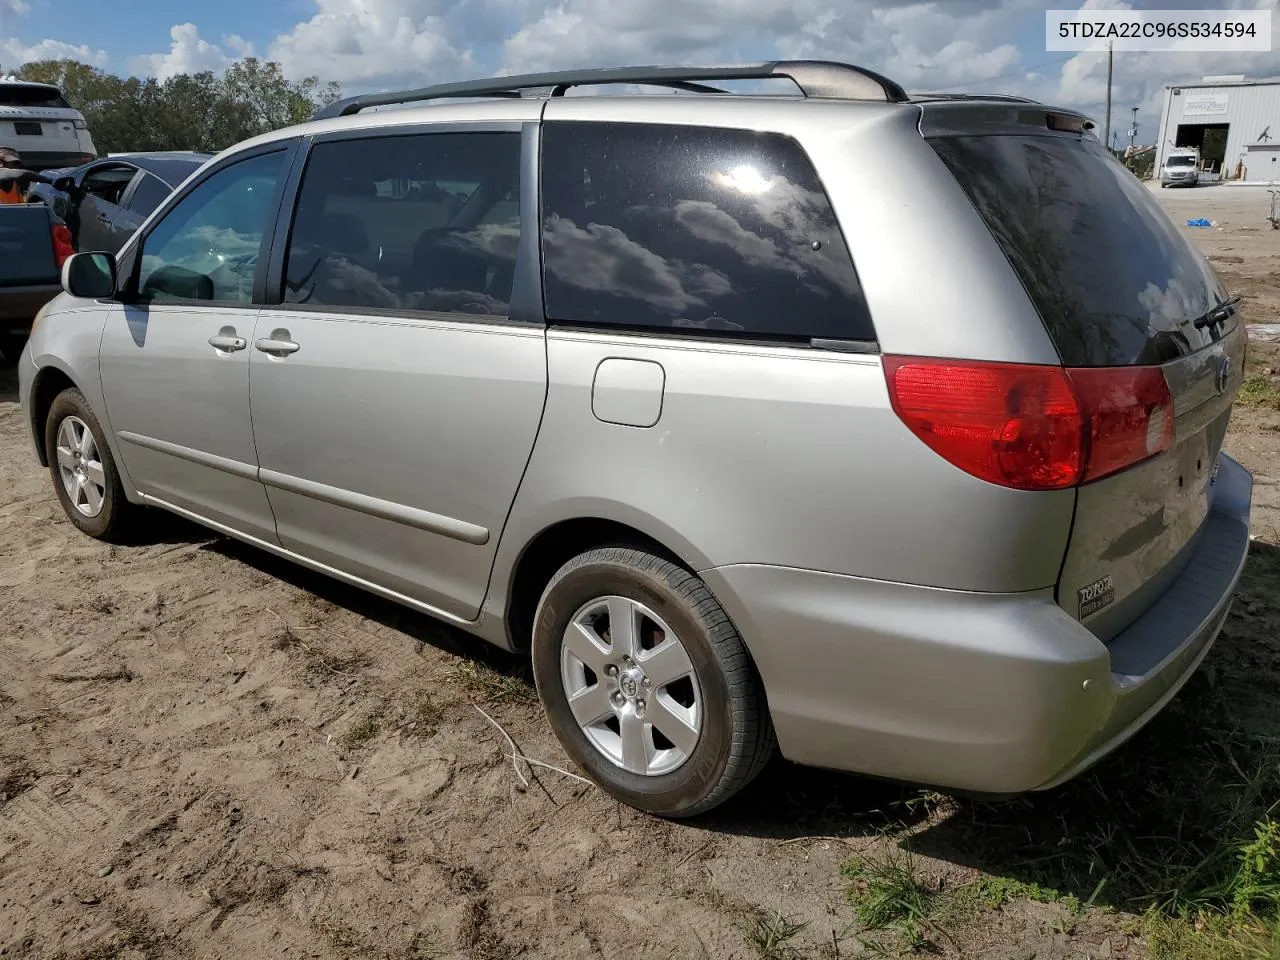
<point x="1033" y="427"/>
<point x="62" y="245"/>
<point x="1129" y="414"/>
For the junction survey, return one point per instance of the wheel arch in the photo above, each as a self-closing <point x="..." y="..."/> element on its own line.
<point x="547" y="550"/>
<point x="48" y="382"/>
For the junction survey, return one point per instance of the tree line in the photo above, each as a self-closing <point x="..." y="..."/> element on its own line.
<point x="189" y="111"/>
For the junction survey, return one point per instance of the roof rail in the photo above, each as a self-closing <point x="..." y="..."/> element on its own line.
<point x="817" y="79"/>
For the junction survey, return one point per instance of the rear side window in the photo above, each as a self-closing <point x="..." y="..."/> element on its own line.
<point x="427" y="222"/>
<point x="149" y="194"/>
<point x="1112" y="278"/>
<point x="16" y="95"/>
<point x="724" y="232"/>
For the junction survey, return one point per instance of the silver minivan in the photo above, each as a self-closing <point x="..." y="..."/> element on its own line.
<point x="881" y="430"/>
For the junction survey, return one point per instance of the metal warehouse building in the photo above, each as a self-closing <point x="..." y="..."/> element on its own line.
<point x="1234" y="121"/>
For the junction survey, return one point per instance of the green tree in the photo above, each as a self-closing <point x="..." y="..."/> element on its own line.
<point x="201" y="111"/>
<point x="271" y="100"/>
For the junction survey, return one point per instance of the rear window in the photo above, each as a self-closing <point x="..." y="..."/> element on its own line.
<point x="705" y="231"/>
<point x="1113" y="280"/>
<point x="16" y="95"/>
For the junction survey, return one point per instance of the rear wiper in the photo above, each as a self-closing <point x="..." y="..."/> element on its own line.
<point x="1218" y="314"/>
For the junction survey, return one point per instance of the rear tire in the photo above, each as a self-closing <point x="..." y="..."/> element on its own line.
<point x="84" y="472"/>
<point x="671" y="747"/>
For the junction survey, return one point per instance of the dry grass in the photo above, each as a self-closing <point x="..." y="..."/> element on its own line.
<point x="488" y="685"/>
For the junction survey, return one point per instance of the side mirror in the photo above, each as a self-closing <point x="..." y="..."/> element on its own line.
<point x="64" y="184"/>
<point x="90" y="275"/>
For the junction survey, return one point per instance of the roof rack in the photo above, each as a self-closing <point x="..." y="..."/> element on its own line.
<point x="817" y="79"/>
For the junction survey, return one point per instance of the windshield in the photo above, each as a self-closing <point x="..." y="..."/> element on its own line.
<point x="1180" y="162"/>
<point x="16" y="95"/>
<point x="1111" y="276"/>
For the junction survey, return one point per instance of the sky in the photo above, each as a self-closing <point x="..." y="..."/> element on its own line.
<point x="995" y="46"/>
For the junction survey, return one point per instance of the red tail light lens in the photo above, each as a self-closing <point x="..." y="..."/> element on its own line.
<point x="1130" y="415"/>
<point x="1033" y="427"/>
<point x="62" y="245"/>
<point x="1015" y="425"/>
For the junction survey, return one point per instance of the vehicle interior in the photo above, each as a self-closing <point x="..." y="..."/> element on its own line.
<point x="408" y="232"/>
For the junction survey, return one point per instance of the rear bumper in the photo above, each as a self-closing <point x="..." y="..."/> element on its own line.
<point x="994" y="693"/>
<point x="19" y="305"/>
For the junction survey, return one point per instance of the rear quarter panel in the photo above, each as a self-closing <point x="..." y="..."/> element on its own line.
<point x="778" y="455"/>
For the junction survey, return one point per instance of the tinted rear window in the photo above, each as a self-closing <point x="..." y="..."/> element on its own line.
<point x="711" y="231"/>
<point x="1113" y="279"/>
<point x="18" y="96"/>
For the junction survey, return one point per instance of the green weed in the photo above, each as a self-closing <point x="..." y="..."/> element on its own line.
<point x="770" y="935"/>
<point x="1259" y="390"/>
<point x="887" y="894"/>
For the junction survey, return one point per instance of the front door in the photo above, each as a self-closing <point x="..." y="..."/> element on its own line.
<point x="101" y="192"/>
<point x="175" y="355"/>
<point x="395" y="401"/>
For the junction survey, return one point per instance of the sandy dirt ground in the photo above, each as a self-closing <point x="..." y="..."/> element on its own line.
<point x="206" y="752"/>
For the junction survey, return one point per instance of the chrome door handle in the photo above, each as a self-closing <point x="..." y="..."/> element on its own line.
<point x="228" y="343"/>
<point x="276" y="347"/>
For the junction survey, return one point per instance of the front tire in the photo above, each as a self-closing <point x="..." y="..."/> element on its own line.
<point x="647" y="684"/>
<point x="84" y="473"/>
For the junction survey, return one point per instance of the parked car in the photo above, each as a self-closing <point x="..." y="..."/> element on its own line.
<point x="103" y="202"/>
<point x="885" y="429"/>
<point x="38" y="122"/>
<point x="93" y="207"/>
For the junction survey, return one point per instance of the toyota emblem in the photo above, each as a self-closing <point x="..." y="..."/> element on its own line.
<point x="1224" y="373"/>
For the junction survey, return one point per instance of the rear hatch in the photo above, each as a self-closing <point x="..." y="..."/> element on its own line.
<point x="35" y="119"/>
<point x="1117" y="286"/>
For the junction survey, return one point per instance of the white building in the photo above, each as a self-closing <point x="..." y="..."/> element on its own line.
<point x="1234" y="121"/>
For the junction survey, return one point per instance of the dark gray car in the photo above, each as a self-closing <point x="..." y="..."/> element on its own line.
<point x="110" y="198"/>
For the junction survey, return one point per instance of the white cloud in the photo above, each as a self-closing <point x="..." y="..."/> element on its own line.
<point x="238" y="45"/>
<point x="924" y="44"/>
<point x="14" y="53"/>
<point x="370" y="43"/>
<point x="188" y="53"/>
